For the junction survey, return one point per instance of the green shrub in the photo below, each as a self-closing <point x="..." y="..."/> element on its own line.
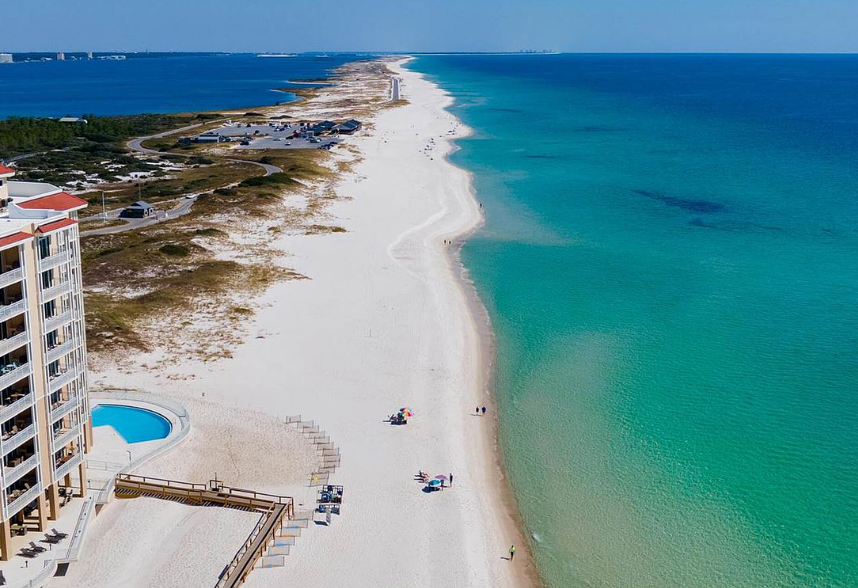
<point x="174" y="250"/>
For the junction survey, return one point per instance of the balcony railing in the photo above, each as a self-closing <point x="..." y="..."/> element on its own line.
<point x="14" y="375"/>
<point x="63" y="409"/>
<point x="10" y="410"/>
<point x="61" y="380"/>
<point x="10" y="277"/>
<point x="53" y="261"/>
<point x="55" y="322"/>
<point x="21" y="501"/>
<point x="67" y="466"/>
<point x="56" y="352"/>
<point x="54" y="291"/>
<point x="14" y="342"/>
<point x="18" y="439"/>
<point x="12" y="474"/>
<point x="66" y="437"/>
<point x="8" y="311"/>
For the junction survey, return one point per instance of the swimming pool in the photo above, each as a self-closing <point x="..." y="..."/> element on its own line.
<point x="135" y="425"/>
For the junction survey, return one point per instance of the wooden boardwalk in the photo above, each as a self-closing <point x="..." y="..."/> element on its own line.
<point x="235" y="573"/>
<point x="274" y="509"/>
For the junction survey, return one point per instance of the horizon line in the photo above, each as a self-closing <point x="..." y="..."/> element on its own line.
<point x="428" y="52"/>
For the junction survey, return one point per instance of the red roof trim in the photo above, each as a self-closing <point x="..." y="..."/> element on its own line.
<point x="14" y="238"/>
<point x="56" y="225"/>
<point x="6" y="170"/>
<point x="61" y="201"/>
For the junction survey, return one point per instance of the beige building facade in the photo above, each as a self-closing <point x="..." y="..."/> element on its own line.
<point x="45" y="427"/>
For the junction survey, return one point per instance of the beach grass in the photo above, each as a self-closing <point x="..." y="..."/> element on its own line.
<point x="141" y="274"/>
<point x="171" y="267"/>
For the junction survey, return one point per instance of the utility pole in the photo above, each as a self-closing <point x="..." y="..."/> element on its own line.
<point x="103" y="209"/>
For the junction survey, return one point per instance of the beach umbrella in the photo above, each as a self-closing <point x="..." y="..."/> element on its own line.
<point x="441" y="477"/>
<point x="406" y="412"/>
<point x="434" y="483"/>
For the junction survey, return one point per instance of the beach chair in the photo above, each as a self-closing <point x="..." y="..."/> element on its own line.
<point x="28" y="552"/>
<point x="52" y="539"/>
<point x="59" y="534"/>
<point x="2" y="579"/>
<point x="37" y="548"/>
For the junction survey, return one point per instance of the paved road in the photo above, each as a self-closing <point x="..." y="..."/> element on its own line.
<point x="181" y="208"/>
<point x="183" y="205"/>
<point x="394" y="93"/>
<point x="137" y="145"/>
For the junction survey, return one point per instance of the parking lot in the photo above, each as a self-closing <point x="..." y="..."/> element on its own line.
<point x="272" y="136"/>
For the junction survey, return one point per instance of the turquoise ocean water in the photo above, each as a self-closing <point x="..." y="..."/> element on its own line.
<point x="670" y="263"/>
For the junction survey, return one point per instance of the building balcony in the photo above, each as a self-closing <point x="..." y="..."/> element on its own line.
<point x="53" y="261"/>
<point x="60" y="380"/>
<point x="22" y="402"/>
<point x="18" y="499"/>
<point x="55" y="291"/>
<point x="61" y="409"/>
<point x="12" y="276"/>
<point x="13" y="473"/>
<point x="14" y="342"/>
<point x="12" y="310"/>
<point x="55" y="322"/>
<point x="13" y="373"/>
<point x="58" y="351"/>
<point x="15" y="441"/>
<point x="65" y="436"/>
<point x="66" y="464"/>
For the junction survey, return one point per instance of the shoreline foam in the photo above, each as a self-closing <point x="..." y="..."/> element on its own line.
<point x="507" y="503"/>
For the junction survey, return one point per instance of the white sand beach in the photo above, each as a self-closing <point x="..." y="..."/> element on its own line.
<point x="382" y="322"/>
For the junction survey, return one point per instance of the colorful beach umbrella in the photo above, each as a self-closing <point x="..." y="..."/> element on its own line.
<point x="434" y="482"/>
<point x="441" y="477"/>
<point x="406" y="412"/>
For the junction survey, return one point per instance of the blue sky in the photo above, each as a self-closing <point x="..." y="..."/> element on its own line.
<point x="430" y="25"/>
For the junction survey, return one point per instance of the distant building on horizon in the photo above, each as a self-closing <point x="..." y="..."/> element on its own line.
<point x="61" y="56"/>
<point x="89" y="55"/>
<point x="6" y="58"/>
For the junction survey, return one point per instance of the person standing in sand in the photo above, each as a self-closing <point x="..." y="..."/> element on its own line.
<point x="451" y="480"/>
<point x="484" y="411"/>
<point x="511" y="552"/>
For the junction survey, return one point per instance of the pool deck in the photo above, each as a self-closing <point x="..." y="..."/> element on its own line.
<point x="19" y="570"/>
<point x="110" y="455"/>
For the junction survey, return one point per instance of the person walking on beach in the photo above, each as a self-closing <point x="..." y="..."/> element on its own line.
<point x="451" y="480"/>
<point x="511" y="552"/>
<point x="484" y="411"/>
<point x="477" y="410"/>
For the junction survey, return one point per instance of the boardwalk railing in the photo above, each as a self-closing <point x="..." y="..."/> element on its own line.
<point x="211" y="493"/>
<point x="274" y="510"/>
